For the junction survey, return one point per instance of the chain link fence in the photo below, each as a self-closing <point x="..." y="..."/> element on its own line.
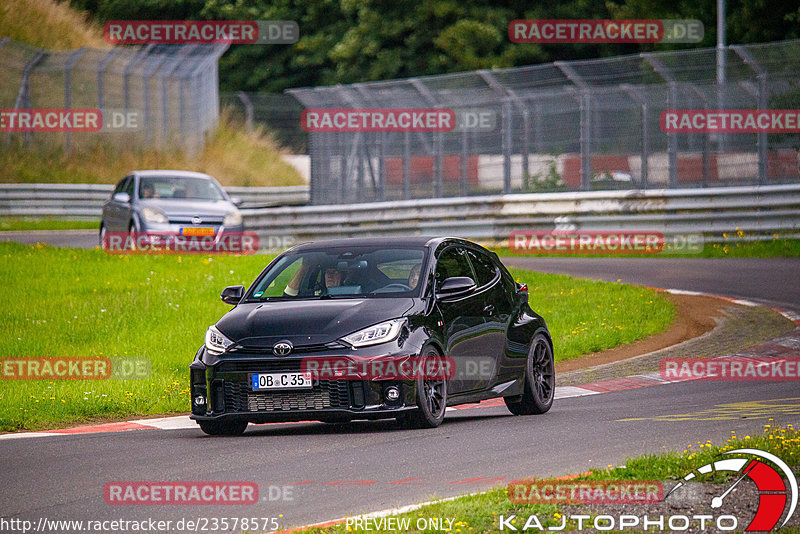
<point x="277" y="113"/>
<point x="577" y="125"/>
<point x="169" y="92"/>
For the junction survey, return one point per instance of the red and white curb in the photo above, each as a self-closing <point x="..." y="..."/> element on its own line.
<point x="788" y="345"/>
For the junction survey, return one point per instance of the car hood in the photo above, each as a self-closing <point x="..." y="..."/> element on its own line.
<point x="307" y="322"/>
<point x="190" y="207"/>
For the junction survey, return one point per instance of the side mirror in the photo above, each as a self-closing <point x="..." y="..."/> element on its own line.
<point x="232" y="295"/>
<point x="125" y="198"/>
<point x="455" y="286"/>
<point x="236" y="201"/>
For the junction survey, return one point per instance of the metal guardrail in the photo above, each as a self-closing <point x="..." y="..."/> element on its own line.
<point x="761" y="210"/>
<point x="758" y="211"/>
<point x="84" y="201"/>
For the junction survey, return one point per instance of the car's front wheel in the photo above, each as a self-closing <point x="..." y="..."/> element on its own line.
<point x="540" y="380"/>
<point x="223" y="428"/>
<point x="431" y="396"/>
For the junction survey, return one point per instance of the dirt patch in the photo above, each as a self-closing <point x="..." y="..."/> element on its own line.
<point x="695" y="315"/>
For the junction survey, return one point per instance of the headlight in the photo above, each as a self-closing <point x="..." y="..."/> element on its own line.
<point x="379" y="333"/>
<point x="233" y="218"/>
<point x="154" y="216"/>
<point x="216" y="342"/>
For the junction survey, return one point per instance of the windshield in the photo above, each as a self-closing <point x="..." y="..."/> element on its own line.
<point x="355" y="272"/>
<point x="179" y="187"/>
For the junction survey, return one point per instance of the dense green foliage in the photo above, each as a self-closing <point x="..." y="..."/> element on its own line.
<point x="346" y="41"/>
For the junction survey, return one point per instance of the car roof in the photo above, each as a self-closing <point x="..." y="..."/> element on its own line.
<point x="168" y="172"/>
<point x="389" y="242"/>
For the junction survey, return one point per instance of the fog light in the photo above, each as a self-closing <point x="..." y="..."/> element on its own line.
<point x="392" y="393"/>
<point x="199" y="400"/>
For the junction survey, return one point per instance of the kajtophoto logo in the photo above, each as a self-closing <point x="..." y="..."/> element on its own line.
<point x="775" y="500"/>
<point x="776" y="486"/>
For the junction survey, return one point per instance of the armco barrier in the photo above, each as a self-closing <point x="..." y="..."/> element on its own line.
<point x="757" y="211"/>
<point x="84" y="201"/>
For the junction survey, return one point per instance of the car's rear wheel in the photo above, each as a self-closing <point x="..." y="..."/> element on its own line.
<point x="540" y="380"/>
<point x="431" y="397"/>
<point x="223" y="428"/>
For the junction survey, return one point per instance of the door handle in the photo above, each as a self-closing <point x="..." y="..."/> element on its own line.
<point x="488" y="310"/>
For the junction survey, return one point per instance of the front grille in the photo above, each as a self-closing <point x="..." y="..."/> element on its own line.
<point x="258" y="366"/>
<point x="325" y="394"/>
<point x="206" y="221"/>
<point x="298" y="349"/>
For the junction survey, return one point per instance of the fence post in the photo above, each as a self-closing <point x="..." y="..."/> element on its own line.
<point x="73" y="58"/>
<point x="763" y="91"/>
<point x="672" y="139"/>
<point x="586" y="122"/>
<point x="437" y="138"/>
<point x="464" y="165"/>
<point x="101" y="73"/>
<point x="636" y="95"/>
<point x="248" y="110"/>
<point x="24" y="93"/>
<point x="507" y="142"/>
<point x="406" y="165"/>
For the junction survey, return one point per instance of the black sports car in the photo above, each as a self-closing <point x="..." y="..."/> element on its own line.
<point x="371" y="329"/>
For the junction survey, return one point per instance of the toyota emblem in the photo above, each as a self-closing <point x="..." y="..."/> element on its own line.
<point x="282" y="348"/>
<point x="196" y="220"/>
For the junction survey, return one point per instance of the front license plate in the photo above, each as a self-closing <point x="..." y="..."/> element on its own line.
<point x="282" y="381"/>
<point x="197" y="232"/>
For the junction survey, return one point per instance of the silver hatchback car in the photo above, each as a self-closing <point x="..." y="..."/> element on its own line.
<point x="164" y="201"/>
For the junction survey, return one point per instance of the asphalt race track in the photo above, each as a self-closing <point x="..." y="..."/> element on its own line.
<point x="339" y="470"/>
<point x="363" y="467"/>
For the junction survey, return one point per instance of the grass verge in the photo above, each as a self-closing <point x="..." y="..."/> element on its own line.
<point x="479" y="513"/>
<point x="70" y="302"/>
<point x="8" y="224"/>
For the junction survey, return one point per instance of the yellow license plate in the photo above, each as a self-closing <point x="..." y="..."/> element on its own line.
<point x="197" y="231"/>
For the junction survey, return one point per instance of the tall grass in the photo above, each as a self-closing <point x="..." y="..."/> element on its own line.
<point x="232" y="155"/>
<point x="48" y="24"/>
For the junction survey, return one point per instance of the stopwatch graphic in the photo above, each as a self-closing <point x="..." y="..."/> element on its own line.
<point x="773" y="493"/>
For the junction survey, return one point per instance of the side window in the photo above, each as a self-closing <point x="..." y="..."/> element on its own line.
<point x="120" y="186"/>
<point x="485" y="269"/>
<point x="452" y="262"/>
<point x="129" y="186"/>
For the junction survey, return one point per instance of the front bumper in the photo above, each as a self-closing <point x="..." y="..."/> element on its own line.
<point x="225" y="385"/>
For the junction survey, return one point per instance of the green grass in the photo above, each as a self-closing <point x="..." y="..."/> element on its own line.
<point x="69" y="302"/>
<point x="715" y="247"/>
<point x="588" y="316"/>
<point x="44" y="223"/>
<point x="479" y="513"/>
